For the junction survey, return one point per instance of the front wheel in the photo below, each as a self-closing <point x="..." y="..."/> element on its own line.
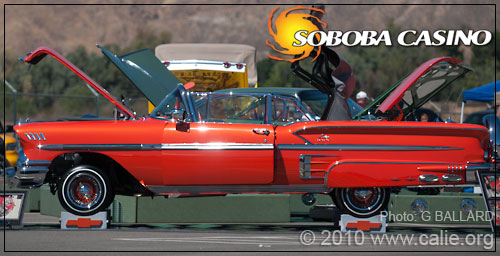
<point x="361" y="202"/>
<point x="85" y="190"/>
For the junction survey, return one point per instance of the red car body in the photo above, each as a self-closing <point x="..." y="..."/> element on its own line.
<point x="165" y="156"/>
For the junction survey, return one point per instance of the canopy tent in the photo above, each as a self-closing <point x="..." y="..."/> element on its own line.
<point x="484" y="93"/>
<point x="481" y="93"/>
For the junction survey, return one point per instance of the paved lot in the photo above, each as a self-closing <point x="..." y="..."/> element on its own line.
<point x="41" y="233"/>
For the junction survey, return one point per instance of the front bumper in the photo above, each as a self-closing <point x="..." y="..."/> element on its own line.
<point x="29" y="173"/>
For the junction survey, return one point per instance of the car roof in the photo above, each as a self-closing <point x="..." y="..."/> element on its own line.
<point x="286" y="91"/>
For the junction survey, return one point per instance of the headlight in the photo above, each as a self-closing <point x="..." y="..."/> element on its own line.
<point x="11" y="146"/>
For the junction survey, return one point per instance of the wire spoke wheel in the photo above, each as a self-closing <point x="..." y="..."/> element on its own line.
<point x="85" y="190"/>
<point x="362" y="202"/>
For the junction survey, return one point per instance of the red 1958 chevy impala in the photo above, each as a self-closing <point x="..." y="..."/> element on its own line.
<point x="220" y="143"/>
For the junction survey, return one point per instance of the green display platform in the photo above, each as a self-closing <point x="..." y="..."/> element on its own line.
<point x="297" y="207"/>
<point x="444" y="208"/>
<point x="229" y="209"/>
<point x="247" y="208"/>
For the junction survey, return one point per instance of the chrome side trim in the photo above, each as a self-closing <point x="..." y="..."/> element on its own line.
<point x="238" y="189"/>
<point x="442" y="186"/>
<point x="98" y="147"/>
<point x="362" y="147"/>
<point x="218" y="146"/>
<point x="372" y="162"/>
<point x="375" y="126"/>
<point x="27" y="135"/>
<point x="145" y="147"/>
<point x="473" y="166"/>
<point x="28" y="162"/>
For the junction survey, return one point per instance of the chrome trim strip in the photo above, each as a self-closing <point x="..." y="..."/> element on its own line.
<point x="442" y="186"/>
<point x="471" y="162"/>
<point x="27" y="135"/>
<point x="372" y="162"/>
<point x="32" y="136"/>
<point x="28" y="162"/>
<point x="97" y="147"/>
<point x="145" y="147"/>
<point x="473" y="167"/>
<point x="38" y="136"/>
<point x="361" y="147"/>
<point x="217" y="146"/>
<point x="375" y="126"/>
<point x="238" y="189"/>
<point x="43" y="137"/>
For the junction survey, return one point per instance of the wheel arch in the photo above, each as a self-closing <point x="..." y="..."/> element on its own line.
<point x="122" y="181"/>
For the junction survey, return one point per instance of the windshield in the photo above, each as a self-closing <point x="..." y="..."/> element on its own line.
<point x="170" y="104"/>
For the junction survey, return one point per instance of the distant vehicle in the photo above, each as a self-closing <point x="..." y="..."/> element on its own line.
<point x="477" y="117"/>
<point x="10" y="146"/>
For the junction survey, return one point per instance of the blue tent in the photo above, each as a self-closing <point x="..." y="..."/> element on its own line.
<point x="482" y="93"/>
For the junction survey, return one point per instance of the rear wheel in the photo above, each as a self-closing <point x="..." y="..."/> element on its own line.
<point x="85" y="190"/>
<point x="361" y="202"/>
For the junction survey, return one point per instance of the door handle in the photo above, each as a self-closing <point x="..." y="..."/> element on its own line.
<point x="261" y="131"/>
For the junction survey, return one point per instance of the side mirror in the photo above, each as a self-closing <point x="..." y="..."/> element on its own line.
<point x="179" y="115"/>
<point x="9" y="128"/>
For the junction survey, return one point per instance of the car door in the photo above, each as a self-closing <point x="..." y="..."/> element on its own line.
<point x="226" y="142"/>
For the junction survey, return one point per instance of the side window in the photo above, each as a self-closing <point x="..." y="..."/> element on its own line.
<point x="235" y="109"/>
<point x="285" y="111"/>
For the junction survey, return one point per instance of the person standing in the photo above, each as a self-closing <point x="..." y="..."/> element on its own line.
<point x="362" y="99"/>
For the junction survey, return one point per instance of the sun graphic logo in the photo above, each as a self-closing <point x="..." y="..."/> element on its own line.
<point x="287" y="24"/>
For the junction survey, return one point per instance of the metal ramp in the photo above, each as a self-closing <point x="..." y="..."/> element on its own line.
<point x="490" y="187"/>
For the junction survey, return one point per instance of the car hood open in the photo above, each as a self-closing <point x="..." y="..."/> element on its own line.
<point x="39" y="53"/>
<point x="413" y="91"/>
<point x="146" y="72"/>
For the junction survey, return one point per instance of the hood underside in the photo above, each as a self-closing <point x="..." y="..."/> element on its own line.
<point x="413" y="91"/>
<point x="146" y="72"/>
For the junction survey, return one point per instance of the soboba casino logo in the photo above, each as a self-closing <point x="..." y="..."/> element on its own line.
<point x="297" y="34"/>
<point x="287" y="24"/>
